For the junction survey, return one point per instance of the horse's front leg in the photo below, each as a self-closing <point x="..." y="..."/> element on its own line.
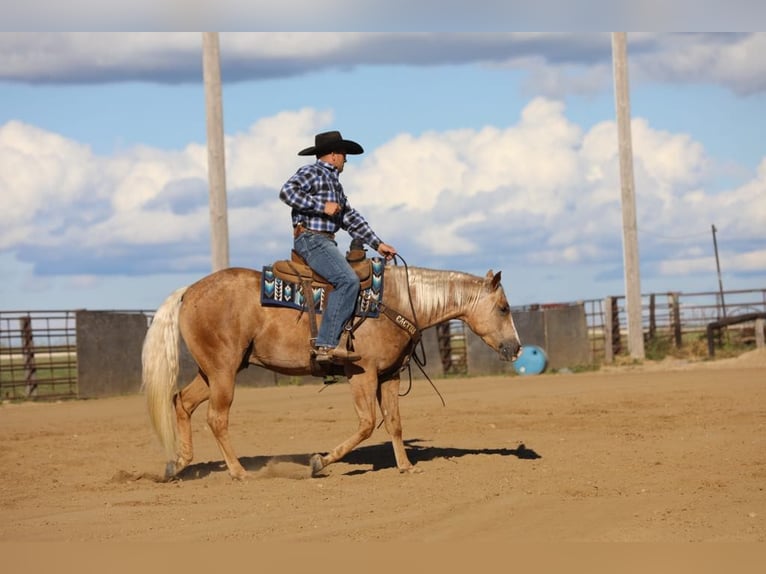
<point x="363" y="394"/>
<point x="388" y="397"/>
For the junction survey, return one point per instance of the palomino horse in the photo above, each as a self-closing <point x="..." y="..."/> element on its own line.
<point x="225" y="327"/>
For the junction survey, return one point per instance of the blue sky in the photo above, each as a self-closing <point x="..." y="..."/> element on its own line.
<point x="482" y="151"/>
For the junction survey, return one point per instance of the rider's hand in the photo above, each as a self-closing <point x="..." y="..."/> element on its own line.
<point x="387" y="251"/>
<point x="331" y="208"/>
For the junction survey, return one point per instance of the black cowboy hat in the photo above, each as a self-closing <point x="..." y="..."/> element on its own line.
<point x="327" y="142"/>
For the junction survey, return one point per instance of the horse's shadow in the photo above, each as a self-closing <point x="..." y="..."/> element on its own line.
<point x="373" y="457"/>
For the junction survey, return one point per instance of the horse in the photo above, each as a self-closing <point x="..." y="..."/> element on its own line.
<point x="226" y="328"/>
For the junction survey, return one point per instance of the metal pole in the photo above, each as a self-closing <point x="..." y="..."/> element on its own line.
<point x="629" y="227"/>
<point x="718" y="267"/>
<point x="219" y="225"/>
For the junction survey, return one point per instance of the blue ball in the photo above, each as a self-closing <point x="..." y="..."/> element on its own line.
<point x="531" y="361"/>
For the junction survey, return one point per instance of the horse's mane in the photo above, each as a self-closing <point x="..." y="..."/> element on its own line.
<point x="435" y="293"/>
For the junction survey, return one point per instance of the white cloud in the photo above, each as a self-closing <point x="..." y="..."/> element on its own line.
<point x="537" y="190"/>
<point x="559" y="79"/>
<point x="731" y="59"/>
<point x="259" y="157"/>
<point x="536" y="158"/>
<point x="558" y="63"/>
<point x="668" y="170"/>
<point x="742" y="211"/>
<point x="448" y="239"/>
<point x="40" y="173"/>
<point x="752" y="261"/>
<point x="140" y="175"/>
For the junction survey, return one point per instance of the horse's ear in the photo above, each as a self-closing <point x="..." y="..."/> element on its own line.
<point x="494" y="279"/>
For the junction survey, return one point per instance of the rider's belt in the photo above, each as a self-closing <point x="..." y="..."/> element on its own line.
<point x="300" y="228"/>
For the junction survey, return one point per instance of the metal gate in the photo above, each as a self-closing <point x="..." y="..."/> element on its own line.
<point x="38" y="355"/>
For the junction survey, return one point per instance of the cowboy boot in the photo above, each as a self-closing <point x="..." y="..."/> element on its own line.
<point x="326" y="355"/>
<point x="341" y="354"/>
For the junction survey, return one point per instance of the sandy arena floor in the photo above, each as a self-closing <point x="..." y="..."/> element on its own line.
<point x="669" y="452"/>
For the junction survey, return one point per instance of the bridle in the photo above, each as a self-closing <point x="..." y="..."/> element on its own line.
<point x="411" y="327"/>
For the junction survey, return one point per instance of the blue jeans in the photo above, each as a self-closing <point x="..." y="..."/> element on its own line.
<point x="323" y="256"/>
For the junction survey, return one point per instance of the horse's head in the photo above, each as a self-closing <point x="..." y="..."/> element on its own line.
<point x="490" y="318"/>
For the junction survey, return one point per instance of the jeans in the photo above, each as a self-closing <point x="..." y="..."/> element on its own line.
<point x="323" y="256"/>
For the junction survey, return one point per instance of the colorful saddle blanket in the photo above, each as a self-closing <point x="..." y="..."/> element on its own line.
<point x="277" y="292"/>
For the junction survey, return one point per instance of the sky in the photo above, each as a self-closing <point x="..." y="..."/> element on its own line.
<point x="483" y="150"/>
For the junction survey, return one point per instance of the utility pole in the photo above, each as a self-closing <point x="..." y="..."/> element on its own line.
<point x="219" y="225"/>
<point x="718" y="267"/>
<point x="627" y="185"/>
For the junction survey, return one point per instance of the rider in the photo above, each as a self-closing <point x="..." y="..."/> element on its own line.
<point x="319" y="209"/>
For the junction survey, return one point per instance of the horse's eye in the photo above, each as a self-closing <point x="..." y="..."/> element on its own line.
<point x="505" y="309"/>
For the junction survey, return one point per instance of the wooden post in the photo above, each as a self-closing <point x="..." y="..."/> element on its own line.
<point x="608" y="330"/>
<point x="445" y="349"/>
<point x="219" y="225"/>
<point x="28" y="351"/>
<point x="675" y="318"/>
<point x="629" y="228"/>
<point x="759" y="334"/>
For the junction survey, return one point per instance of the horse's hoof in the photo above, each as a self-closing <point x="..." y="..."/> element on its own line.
<point x="237" y="472"/>
<point x="410" y="470"/>
<point x="317" y="464"/>
<point x="170" y="470"/>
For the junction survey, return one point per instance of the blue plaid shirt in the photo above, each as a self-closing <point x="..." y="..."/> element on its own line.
<point x="310" y="188"/>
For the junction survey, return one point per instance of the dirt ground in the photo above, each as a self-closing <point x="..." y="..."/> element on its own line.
<point x="674" y="451"/>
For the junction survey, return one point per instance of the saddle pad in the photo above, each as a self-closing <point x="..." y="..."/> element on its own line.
<point x="278" y="293"/>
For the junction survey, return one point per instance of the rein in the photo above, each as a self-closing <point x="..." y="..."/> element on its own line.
<point x="412" y="329"/>
<point x="415" y="337"/>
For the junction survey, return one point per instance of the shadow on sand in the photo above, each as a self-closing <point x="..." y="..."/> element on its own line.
<point x="377" y="456"/>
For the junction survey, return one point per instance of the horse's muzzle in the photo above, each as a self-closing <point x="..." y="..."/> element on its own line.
<point x="509" y="350"/>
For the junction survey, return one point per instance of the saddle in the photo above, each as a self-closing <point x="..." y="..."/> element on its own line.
<point x="296" y="270"/>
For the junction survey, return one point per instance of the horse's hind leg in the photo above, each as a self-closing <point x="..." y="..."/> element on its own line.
<point x="186" y="402"/>
<point x="388" y="398"/>
<point x="221" y="397"/>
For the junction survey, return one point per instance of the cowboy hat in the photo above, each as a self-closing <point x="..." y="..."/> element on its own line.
<point x="327" y="142"/>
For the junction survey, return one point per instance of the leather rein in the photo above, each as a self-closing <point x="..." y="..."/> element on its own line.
<point x="410" y="326"/>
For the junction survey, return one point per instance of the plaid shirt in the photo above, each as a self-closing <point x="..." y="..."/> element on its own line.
<point x="309" y="189"/>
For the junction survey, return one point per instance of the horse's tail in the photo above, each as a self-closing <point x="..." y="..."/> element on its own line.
<point x="160" y="360"/>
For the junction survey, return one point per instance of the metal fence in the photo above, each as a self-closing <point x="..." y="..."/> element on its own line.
<point x="38" y="349"/>
<point x="671" y="319"/>
<point x="38" y="354"/>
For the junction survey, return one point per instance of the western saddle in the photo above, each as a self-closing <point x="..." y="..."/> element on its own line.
<point x="296" y="270"/>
